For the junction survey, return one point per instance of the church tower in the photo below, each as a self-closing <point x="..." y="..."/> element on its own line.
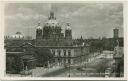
<point x="68" y="32"/>
<point x="115" y="33"/>
<point x="39" y="32"/>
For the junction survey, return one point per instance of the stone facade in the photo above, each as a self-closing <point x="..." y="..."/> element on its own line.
<point x="60" y="44"/>
<point x="50" y="48"/>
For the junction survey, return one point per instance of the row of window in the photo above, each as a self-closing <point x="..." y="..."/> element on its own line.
<point x="59" y="52"/>
<point x="60" y="60"/>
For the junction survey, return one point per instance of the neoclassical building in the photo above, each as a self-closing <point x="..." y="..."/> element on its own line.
<point x="51" y="47"/>
<point x="61" y="44"/>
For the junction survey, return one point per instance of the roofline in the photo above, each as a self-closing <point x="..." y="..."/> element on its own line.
<point x="47" y="46"/>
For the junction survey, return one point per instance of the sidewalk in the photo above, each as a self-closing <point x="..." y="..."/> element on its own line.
<point x="37" y="72"/>
<point x="41" y="70"/>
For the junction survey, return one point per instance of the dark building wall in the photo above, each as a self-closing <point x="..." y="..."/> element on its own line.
<point x="68" y="34"/>
<point x="13" y="63"/>
<point x="54" y="42"/>
<point x="18" y="57"/>
<point x="17" y="42"/>
<point x="16" y="62"/>
<point x="38" y="34"/>
<point x="43" y="55"/>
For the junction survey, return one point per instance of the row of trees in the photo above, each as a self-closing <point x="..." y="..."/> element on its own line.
<point x="38" y="56"/>
<point x="43" y="56"/>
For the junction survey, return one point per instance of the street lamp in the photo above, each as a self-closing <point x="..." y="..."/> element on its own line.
<point x="69" y="62"/>
<point x="69" y="70"/>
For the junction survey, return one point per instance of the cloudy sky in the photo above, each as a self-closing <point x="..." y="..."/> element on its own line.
<point x="86" y="19"/>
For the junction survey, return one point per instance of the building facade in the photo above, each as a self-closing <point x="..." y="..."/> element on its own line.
<point x="51" y="47"/>
<point x="61" y="44"/>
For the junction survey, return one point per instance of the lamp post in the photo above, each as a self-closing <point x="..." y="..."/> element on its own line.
<point x="69" y="62"/>
<point x="81" y="60"/>
<point x="69" y="69"/>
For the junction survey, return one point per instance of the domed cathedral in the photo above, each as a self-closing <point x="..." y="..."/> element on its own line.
<point x="51" y="33"/>
<point x="52" y="29"/>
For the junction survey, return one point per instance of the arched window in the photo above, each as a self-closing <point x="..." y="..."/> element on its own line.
<point x="69" y="60"/>
<point x="69" y="52"/>
<point x="59" y="53"/>
<point x="53" y="51"/>
<point x="64" y="52"/>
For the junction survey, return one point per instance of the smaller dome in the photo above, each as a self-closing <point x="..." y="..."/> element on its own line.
<point x="18" y="35"/>
<point x="68" y="26"/>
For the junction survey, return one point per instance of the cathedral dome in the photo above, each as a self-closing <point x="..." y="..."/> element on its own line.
<point x="18" y="35"/>
<point x="52" y="20"/>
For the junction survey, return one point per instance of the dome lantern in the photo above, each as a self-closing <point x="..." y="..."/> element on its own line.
<point x="52" y="16"/>
<point x="52" y="22"/>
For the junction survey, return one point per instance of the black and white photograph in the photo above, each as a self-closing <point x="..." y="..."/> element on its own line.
<point x="64" y="39"/>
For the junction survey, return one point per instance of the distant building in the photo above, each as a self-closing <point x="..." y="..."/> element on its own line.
<point x="115" y="33"/>
<point x="119" y="61"/>
<point x="16" y="36"/>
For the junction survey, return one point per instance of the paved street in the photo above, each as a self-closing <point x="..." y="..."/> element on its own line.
<point x="56" y="73"/>
<point x="74" y="72"/>
<point x="40" y="71"/>
<point x="90" y="69"/>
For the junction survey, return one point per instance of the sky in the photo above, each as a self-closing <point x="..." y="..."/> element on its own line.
<point x="91" y="20"/>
